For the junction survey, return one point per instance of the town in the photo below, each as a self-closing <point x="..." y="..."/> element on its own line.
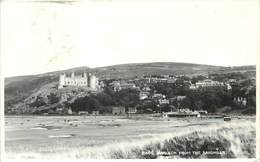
<point x="163" y="95"/>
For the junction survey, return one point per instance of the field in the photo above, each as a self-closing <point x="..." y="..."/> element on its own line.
<point x="79" y="137"/>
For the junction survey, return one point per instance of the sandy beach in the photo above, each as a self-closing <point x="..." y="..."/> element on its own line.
<point x="47" y="137"/>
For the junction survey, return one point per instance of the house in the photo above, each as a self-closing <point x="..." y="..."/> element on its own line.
<point x="146" y="89"/>
<point x="232" y="81"/>
<point x="228" y="86"/>
<point x="143" y="95"/>
<point x="102" y="84"/>
<point x="83" y="113"/>
<point x="207" y="83"/>
<point x="117" y="86"/>
<point x="155" y="79"/>
<point x="177" y="98"/>
<point x="202" y="112"/>
<point x="193" y="86"/>
<point x="69" y="111"/>
<point x="147" y="101"/>
<point x="118" y="110"/>
<point x="95" y="112"/>
<point x="132" y="110"/>
<point x="163" y="101"/>
<point x="158" y="96"/>
<point x="59" y="109"/>
<point x="171" y="80"/>
<point x="128" y="86"/>
<point x="180" y="98"/>
<point x="143" y="81"/>
<point x="162" y="80"/>
<point x="185" y="110"/>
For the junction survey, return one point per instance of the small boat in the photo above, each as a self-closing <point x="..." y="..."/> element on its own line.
<point x="227" y="118"/>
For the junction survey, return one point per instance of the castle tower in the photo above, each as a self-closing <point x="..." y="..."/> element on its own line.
<point x="88" y="79"/>
<point x="72" y="75"/>
<point x="61" y="80"/>
<point x="93" y="82"/>
<point x="84" y="75"/>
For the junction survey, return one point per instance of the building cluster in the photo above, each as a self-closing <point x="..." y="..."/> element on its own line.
<point x="146" y="95"/>
<point x="120" y="85"/>
<point x="207" y="83"/>
<point x="159" y="98"/>
<point x="121" y="110"/>
<point x="86" y="80"/>
<point x="160" y="78"/>
<point x="118" y="110"/>
<point x="184" y="113"/>
<point x="150" y="79"/>
<point x="176" y="99"/>
<point x="142" y="84"/>
<point x="240" y="101"/>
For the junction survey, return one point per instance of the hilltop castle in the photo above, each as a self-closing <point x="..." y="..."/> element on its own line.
<point x="86" y="80"/>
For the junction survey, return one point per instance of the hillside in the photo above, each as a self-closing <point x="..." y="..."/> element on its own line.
<point x="139" y="69"/>
<point x="18" y="88"/>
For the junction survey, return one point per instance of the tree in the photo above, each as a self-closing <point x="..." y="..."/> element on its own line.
<point x="53" y="98"/>
<point x="128" y="97"/>
<point x="208" y="99"/>
<point x="87" y="103"/>
<point x="105" y="99"/>
<point x="165" y="108"/>
<point x="251" y="97"/>
<point x="195" y="79"/>
<point x="38" y="102"/>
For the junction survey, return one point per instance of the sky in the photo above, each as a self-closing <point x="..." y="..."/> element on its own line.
<point x="39" y="37"/>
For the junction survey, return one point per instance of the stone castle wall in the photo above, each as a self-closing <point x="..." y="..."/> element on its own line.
<point x="85" y="80"/>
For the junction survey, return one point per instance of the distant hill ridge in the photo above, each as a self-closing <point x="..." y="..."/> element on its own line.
<point x="170" y="66"/>
<point x="20" y="87"/>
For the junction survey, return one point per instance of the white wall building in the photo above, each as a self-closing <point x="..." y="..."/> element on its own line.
<point x="209" y="83"/>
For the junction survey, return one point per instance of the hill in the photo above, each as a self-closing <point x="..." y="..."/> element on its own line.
<point x="18" y="88"/>
<point x="157" y="68"/>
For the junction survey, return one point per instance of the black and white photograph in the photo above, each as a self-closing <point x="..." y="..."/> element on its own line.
<point x="121" y="79"/>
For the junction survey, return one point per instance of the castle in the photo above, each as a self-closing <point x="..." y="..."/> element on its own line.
<point x="86" y="80"/>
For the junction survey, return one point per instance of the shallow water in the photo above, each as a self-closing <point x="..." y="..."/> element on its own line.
<point x="51" y="137"/>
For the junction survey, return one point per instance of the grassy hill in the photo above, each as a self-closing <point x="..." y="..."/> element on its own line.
<point x="18" y="88"/>
<point x="139" y="69"/>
